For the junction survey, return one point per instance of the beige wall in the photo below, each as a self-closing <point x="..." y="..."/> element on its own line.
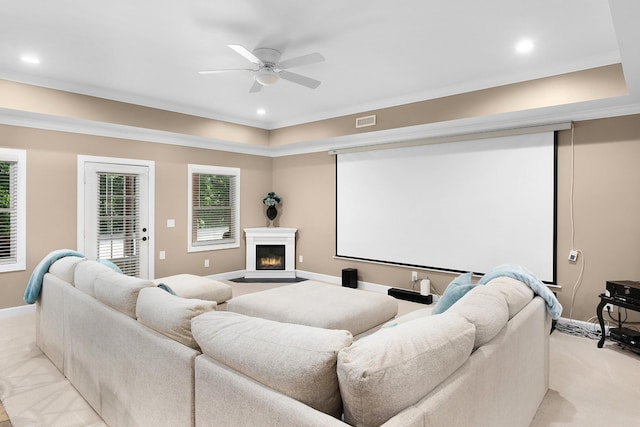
<point x="57" y="103"/>
<point x="51" y="198"/>
<point x="586" y="85"/>
<point x="606" y="210"/>
<point x="607" y="186"/>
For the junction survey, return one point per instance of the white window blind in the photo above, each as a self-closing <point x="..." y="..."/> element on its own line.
<point x="118" y="228"/>
<point x="12" y="206"/>
<point x="214" y="208"/>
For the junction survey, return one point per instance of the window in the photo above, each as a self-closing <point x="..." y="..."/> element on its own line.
<point x="12" y="209"/>
<point x="214" y="208"/>
<point x="118" y="221"/>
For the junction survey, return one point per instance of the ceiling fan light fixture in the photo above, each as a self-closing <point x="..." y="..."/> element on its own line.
<point x="266" y="76"/>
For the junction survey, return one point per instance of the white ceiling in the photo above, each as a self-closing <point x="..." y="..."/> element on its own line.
<point x="378" y="53"/>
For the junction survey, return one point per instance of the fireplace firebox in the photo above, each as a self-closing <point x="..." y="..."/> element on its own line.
<point x="270" y="257"/>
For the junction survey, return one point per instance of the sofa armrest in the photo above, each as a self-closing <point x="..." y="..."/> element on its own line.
<point x="501" y="385"/>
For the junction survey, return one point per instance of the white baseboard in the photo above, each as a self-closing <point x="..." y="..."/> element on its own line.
<point x="335" y="280"/>
<point x="227" y="276"/>
<point x="5" y="313"/>
<point x="367" y="286"/>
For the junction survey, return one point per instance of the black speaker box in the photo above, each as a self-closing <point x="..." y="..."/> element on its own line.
<point x="350" y="277"/>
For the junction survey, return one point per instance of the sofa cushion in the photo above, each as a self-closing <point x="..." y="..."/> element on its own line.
<point x="296" y="360"/>
<point x="119" y="291"/>
<point x="86" y="273"/>
<point x="170" y="314"/>
<point x="516" y="293"/>
<point x="487" y="309"/>
<point x="192" y="286"/>
<point x="454" y="291"/>
<point x="392" y="369"/>
<point x="65" y="268"/>
<point x="319" y="304"/>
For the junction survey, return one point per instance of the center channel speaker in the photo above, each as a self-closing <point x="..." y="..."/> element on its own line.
<point x="350" y="277"/>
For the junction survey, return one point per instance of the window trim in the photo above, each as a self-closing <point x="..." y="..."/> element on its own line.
<point x="212" y="170"/>
<point x="20" y="157"/>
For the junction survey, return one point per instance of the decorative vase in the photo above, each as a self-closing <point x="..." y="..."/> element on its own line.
<point x="272" y="212"/>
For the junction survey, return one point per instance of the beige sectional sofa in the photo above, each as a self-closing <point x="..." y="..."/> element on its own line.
<point x="97" y="327"/>
<point x="484" y="362"/>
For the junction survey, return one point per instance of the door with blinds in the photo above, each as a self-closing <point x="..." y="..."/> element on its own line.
<point x="117" y="216"/>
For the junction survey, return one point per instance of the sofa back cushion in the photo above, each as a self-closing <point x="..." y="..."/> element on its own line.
<point x="296" y="360"/>
<point x="170" y="314"/>
<point x="516" y="293"/>
<point x="65" y="268"/>
<point x="119" y="291"/>
<point x="486" y="308"/>
<point x="86" y="273"/>
<point x="392" y="369"/>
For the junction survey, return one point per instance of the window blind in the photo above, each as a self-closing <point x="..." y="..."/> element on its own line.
<point x="8" y="212"/>
<point x="118" y="221"/>
<point x="214" y="208"/>
<point x="213" y="221"/>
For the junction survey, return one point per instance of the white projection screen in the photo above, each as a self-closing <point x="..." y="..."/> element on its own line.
<point x="456" y="206"/>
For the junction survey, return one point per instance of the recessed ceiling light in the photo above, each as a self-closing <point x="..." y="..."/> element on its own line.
<point x="261" y="111"/>
<point x="524" y="46"/>
<point x="30" y="59"/>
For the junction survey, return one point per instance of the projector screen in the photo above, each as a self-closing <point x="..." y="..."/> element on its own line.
<point x="456" y="206"/>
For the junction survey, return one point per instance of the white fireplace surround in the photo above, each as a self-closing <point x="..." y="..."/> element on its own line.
<point x="271" y="236"/>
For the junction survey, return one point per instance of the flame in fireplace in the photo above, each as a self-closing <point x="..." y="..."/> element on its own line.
<point x="272" y="262"/>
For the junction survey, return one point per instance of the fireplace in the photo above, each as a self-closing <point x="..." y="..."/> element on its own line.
<point x="270" y="252"/>
<point x="270" y="257"/>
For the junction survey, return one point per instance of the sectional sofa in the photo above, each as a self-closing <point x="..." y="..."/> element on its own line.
<point x="143" y="357"/>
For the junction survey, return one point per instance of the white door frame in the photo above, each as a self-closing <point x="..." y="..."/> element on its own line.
<point x="150" y="164"/>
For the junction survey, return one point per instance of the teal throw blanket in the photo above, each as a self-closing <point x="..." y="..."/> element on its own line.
<point x="35" y="281"/>
<point x="520" y="273"/>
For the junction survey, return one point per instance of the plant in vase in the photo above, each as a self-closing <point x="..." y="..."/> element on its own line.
<point x="271" y="200"/>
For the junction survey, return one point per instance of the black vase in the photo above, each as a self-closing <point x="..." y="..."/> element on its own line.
<point x="272" y="212"/>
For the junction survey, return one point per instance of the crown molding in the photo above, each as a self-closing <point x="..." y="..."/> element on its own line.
<point x="88" y="127"/>
<point x="530" y="118"/>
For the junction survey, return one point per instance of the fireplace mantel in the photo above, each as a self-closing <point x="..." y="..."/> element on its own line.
<point x="271" y="236"/>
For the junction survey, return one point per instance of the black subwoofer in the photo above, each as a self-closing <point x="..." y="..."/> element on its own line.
<point x="350" y="277"/>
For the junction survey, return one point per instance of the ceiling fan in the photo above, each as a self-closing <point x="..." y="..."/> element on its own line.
<point x="269" y="70"/>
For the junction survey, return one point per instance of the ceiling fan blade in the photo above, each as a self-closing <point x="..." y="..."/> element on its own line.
<point x="257" y="87"/>
<point x="245" y="53"/>
<point x="224" y="71"/>
<point x="301" y="80"/>
<point x="311" y="58"/>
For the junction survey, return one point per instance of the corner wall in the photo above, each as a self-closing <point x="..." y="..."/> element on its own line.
<point x="51" y="199"/>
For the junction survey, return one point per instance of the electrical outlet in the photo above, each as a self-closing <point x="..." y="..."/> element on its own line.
<point x="300" y="258"/>
<point x="414" y="276"/>
<point x="608" y="308"/>
<point x="573" y="255"/>
<point x="206" y="263"/>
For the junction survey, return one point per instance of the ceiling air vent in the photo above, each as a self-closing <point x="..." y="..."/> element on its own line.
<point x="362" y="122"/>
